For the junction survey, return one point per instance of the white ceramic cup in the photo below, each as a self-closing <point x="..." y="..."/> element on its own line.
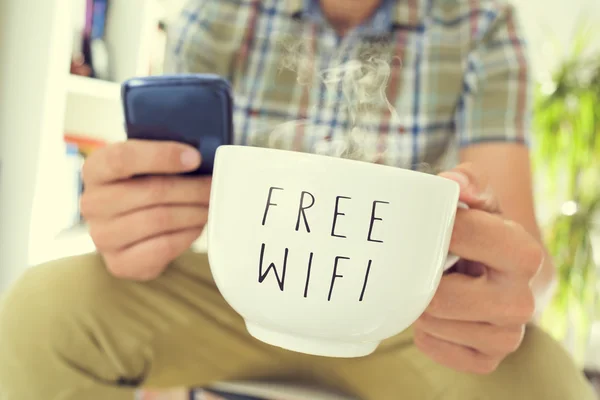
<point x="323" y="255"/>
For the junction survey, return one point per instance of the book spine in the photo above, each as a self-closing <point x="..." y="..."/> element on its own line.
<point x="75" y="160"/>
<point x="99" y="19"/>
<point x="78" y="149"/>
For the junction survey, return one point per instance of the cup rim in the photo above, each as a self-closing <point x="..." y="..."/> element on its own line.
<point x="335" y="160"/>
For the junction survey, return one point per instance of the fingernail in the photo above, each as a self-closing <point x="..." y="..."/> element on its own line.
<point x="483" y="195"/>
<point x="190" y="158"/>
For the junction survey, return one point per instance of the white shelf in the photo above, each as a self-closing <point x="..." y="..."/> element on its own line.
<point x="94" y="88"/>
<point x="77" y="241"/>
<point x="94" y="109"/>
<point x="73" y="242"/>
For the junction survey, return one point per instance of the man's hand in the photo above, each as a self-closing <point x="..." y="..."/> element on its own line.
<point x="141" y="224"/>
<point x="478" y="314"/>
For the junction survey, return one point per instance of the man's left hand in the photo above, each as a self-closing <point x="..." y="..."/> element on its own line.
<point x="479" y="312"/>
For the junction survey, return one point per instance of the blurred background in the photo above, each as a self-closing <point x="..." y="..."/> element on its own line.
<point x="62" y="62"/>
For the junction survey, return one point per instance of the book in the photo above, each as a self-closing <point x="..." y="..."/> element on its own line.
<point x="90" y="56"/>
<point x="78" y="148"/>
<point x="98" y="49"/>
<point x="72" y="210"/>
<point x="85" y="144"/>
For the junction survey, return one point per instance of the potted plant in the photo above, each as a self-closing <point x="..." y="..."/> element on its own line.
<point x="566" y="157"/>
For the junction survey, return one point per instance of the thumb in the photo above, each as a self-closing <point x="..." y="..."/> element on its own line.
<point x="475" y="190"/>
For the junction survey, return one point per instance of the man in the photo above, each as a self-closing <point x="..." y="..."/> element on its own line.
<point x="145" y="311"/>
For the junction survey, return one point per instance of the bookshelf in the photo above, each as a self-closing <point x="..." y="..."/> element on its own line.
<point x="40" y="102"/>
<point x="80" y="86"/>
<point x="94" y="109"/>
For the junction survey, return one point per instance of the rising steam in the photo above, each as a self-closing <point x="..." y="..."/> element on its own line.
<point x="362" y="81"/>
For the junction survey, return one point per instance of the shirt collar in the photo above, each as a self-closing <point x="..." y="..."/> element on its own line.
<point x="390" y="14"/>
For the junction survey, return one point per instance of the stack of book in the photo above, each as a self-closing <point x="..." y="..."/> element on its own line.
<point x="90" y="56"/>
<point x="78" y="149"/>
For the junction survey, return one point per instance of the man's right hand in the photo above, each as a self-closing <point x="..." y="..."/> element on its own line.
<point x="141" y="224"/>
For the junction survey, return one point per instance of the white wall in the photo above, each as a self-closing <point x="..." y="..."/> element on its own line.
<point x="172" y="8"/>
<point x="33" y="47"/>
<point x="551" y="26"/>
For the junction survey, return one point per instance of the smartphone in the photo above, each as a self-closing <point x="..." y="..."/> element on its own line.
<point x="195" y="109"/>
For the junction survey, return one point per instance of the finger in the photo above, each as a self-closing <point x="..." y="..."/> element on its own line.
<point x="144" y="224"/>
<point x="475" y="190"/>
<point x="148" y="259"/>
<point x="491" y="340"/>
<point x="497" y="243"/>
<point x="138" y="157"/>
<point x="470" y="268"/>
<point x="459" y="358"/>
<point x="121" y="197"/>
<point x="464" y="298"/>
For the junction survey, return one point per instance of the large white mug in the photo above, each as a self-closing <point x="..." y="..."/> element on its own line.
<point x="322" y="255"/>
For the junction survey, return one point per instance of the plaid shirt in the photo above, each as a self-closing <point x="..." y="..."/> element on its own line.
<point x="409" y="87"/>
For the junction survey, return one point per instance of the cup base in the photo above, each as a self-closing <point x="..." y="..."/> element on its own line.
<point x="312" y="346"/>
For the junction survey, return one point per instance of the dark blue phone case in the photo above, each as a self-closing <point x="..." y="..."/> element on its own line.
<point x="195" y="109"/>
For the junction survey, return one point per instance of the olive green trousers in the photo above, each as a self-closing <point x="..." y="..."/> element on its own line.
<point x="71" y="331"/>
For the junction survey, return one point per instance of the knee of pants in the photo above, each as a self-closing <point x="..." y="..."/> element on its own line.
<point x="39" y="314"/>
<point x="540" y="369"/>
